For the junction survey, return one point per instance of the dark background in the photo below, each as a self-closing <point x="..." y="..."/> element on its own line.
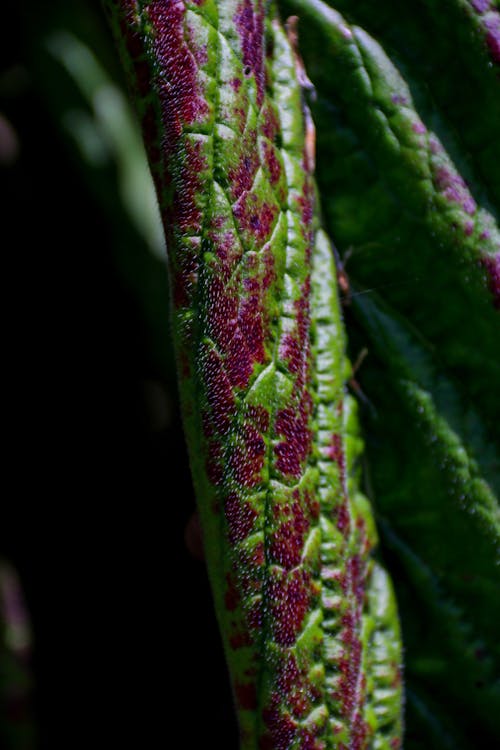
<point x="96" y="483"/>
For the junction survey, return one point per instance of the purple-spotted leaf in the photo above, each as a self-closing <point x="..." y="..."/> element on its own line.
<point x="307" y="616"/>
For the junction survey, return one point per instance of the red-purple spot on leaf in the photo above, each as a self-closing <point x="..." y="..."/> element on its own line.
<point x="129" y="32"/>
<point x="231" y="596"/>
<point x="255" y="217"/>
<point x="312" y="504"/>
<point x="357" y="573"/>
<point x="269" y="262"/>
<point x="226" y="247"/>
<point x="238" y="361"/>
<point x="241" y="178"/>
<point x="269" y="124"/>
<point x="351" y="687"/>
<point x="292" y="452"/>
<point x="492" y="25"/>
<point x="185" y="272"/>
<point x="419" y="128"/>
<point x="270" y="159"/>
<point x="177" y="79"/>
<point x="289" y="597"/>
<point x="246" y="696"/>
<point x="343" y="517"/>
<point x="251" y="322"/>
<point x="187" y="212"/>
<point x="306" y="205"/>
<point x="291" y="352"/>
<point x="309" y="741"/>
<point x="335" y="451"/>
<point x="259" y="415"/>
<point x="453" y="187"/>
<point x="294" y="685"/>
<point x="282" y="729"/>
<point x="254" y="616"/>
<point x="399" y="99"/>
<point x="247" y="460"/>
<point x="398" y="676"/>
<point x="249" y="21"/>
<point x="223" y="304"/>
<point x="481" y="6"/>
<point x="218" y="391"/>
<point x="252" y="560"/>
<point x="287" y="540"/>
<point x="240" y="517"/>
<point x="294" y="347"/>
<point x="435" y="146"/>
<point x="349" y="667"/>
<point x="360" y="732"/>
<point x="240" y="639"/>
<point x="491" y="264"/>
<point x="213" y="462"/>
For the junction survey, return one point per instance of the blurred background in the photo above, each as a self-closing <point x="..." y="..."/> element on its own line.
<point x="108" y="633"/>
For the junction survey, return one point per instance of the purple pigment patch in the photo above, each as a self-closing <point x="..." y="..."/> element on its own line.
<point x="219" y="393"/>
<point x="481" y="6"/>
<point x="186" y="212"/>
<point x="232" y="598"/>
<point x="282" y="729"/>
<point x="287" y="540"/>
<point x="246" y="696"/>
<point x="223" y="304"/>
<point x="294" y="346"/>
<point x="269" y="125"/>
<point x="213" y="463"/>
<point x="240" y="639"/>
<point x="492" y="26"/>
<point x="259" y="416"/>
<point x="491" y="264"/>
<point x="247" y="460"/>
<point x="249" y="22"/>
<point x="399" y="99"/>
<point x="294" y="683"/>
<point x="454" y="189"/>
<point x="239" y="364"/>
<point x="254" y="217"/>
<point x="177" y="81"/>
<point x="240" y="517"/>
<point x="335" y="452"/>
<point x="419" y="128"/>
<point x="289" y="601"/>
<point x="350" y="687"/>
<point x="270" y="159"/>
<point x="292" y="452"/>
<point x="241" y="178"/>
<point x="251" y="323"/>
<point x="184" y="268"/>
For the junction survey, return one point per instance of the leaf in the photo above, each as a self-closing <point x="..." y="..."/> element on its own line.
<point x="307" y="618"/>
